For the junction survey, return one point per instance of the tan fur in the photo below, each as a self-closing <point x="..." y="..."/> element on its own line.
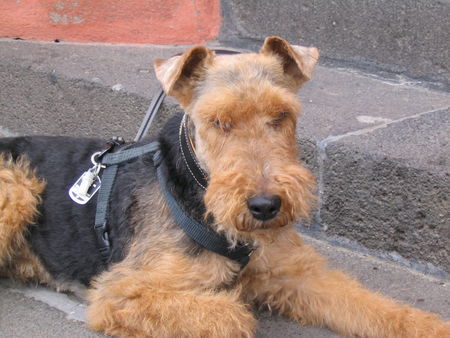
<point x="20" y="195"/>
<point x="243" y="112"/>
<point x="145" y="303"/>
<point x="178" y="74"/>
<point x="298" y="61"/>
<point x="26" y="267"/>
<point x="293" y="279"/>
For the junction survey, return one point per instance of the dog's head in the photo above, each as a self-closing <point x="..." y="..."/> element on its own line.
<point x="244" y="111"/>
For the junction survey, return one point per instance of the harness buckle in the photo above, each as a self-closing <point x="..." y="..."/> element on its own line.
<point x="102" y="234"/>
<point x="113" y="142"/>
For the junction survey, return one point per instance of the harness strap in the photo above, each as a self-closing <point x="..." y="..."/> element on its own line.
<point x="198" y="232"/>
<point x="112" y="160"/>
<point x="124" y="155"/>
<point x="101" y="226"/>
<point x="201" y="234"/>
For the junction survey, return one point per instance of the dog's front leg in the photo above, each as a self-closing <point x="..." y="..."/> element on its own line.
<point x="292" y="278"/>
<point x="138" y="303"/>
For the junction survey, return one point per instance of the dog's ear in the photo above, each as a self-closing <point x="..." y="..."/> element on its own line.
<point x="178" y="75"/>
<point x="298" y="61"/>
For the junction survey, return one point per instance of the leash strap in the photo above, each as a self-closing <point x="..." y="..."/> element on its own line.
<point x="150" y="115"/>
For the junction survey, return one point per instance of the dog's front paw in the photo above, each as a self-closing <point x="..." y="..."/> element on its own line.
<point x="422" y="324"/>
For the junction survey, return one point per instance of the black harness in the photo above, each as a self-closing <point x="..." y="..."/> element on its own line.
<point x="199" y="232"/>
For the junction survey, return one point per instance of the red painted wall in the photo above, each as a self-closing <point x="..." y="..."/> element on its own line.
<point x="120" y="21"/>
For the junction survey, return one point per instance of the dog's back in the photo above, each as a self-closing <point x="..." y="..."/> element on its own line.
<point x="63" y="233"/>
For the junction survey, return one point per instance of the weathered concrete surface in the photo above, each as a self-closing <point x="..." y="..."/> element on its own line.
<point x="407" y="36"/>
<point x="77" y="89"/>
<point x="68" y="89"/>
<point x="41" y="103"/>
<point x="340" y="101"/>
<point x="389" y="189"/>
<point x="129" y="68"/>
<point x="21" y="314"/>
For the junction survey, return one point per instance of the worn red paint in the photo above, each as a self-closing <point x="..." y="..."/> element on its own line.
<point x="130" y="21"/>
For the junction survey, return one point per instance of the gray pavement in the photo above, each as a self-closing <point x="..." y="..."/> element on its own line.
<point x="23" y="316"/>
<point x="39" y="312"/>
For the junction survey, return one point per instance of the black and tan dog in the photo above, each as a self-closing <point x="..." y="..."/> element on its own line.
<point x="231" y="166"/>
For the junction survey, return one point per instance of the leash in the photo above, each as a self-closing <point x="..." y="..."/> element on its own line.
<point x="89" y="183"/>
<point x="150" y="114"/>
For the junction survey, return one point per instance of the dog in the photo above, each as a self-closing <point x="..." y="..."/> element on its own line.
<point x="196" y="226"/>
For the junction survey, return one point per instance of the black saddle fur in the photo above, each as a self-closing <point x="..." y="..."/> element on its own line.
<point x="63" y="236"/>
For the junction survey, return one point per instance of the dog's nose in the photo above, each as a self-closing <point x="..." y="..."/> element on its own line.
<point x="264" y="207"/>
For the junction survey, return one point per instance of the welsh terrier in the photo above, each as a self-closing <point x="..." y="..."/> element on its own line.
<point x="198" y="225"/>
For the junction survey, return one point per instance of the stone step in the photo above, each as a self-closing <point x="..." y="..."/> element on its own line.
<point x="379" y="147"/>
<point x="401" y="36"/>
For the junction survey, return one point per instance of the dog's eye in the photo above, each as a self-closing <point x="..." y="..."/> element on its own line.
<point x="279" y="119"/>
<point x="224" y="126"/>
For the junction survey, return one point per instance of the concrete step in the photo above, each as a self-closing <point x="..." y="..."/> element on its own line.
<point x="379" y="147"/>
<point x="39" y="312"/>
<point x="402" y="36"/>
